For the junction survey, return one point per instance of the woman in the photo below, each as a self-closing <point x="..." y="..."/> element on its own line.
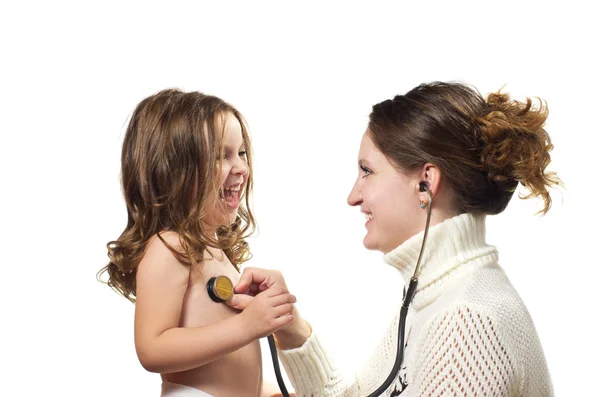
<point x="441" y="148"/>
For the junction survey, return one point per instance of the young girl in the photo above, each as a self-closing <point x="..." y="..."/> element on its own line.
<point x="186" y="178"/>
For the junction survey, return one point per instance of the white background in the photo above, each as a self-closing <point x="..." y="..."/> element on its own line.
<point x="305" y="76"/>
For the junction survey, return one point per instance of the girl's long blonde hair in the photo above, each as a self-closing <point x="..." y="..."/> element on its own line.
<point x="169" y="177"/>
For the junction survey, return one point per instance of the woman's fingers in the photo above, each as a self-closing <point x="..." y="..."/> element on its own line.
<point x="255" y="280"/>
<point x="251" y="276"/>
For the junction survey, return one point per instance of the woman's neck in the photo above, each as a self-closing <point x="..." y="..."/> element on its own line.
<point x="450" y="244"/>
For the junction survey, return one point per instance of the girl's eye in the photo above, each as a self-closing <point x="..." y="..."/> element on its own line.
<point x="365" y="170"/>
<point x="242" y="153"/>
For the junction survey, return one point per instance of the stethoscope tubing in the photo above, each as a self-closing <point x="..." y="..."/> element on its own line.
<point x="276" y="367"/>
<point x="408" y="296"/>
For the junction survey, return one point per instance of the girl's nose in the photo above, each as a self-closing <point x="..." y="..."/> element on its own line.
<point x="240" y="167"/>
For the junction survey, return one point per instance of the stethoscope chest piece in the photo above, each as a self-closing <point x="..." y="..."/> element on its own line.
<point x="220" y="288"/>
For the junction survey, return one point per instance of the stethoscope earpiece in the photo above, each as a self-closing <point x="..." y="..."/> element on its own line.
<point x="220" y="288"/>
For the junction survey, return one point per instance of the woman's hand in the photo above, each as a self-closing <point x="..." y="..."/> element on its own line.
<point x="253" y="281"/>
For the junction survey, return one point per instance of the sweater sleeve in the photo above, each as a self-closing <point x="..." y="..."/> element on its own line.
<point x="313" y="373"/>
<point x="463" y="354"/>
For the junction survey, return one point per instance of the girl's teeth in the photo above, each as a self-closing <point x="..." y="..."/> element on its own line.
<point x="368" y="216"/>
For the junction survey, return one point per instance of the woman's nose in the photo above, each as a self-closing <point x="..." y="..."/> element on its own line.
<point x="355" y="197"/>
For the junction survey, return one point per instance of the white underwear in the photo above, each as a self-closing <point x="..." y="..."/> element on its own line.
<point x="176" y="390"/>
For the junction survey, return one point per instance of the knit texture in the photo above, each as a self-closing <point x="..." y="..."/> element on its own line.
<point x="468" y="331"/>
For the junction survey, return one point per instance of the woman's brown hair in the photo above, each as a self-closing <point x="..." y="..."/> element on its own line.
<point x="169" y="178"/>
<point x="483" y="147"/>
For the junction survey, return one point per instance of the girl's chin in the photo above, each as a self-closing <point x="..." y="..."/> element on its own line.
<point x="225" y="219"/>
<point x="232" y="218"/>
<point x="229" y="218"/>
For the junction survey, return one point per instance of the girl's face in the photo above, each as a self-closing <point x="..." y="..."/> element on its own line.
<point x="388" y="198"/>
<point x="233" y="172"/>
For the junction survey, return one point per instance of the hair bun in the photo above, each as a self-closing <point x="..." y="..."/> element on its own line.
<point x="516" y="147"/>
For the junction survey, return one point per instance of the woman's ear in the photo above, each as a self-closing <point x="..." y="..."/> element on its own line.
<point x="431" y="176"/>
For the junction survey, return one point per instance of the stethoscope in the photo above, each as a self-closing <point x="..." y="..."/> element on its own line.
<point x="220" y="289"/>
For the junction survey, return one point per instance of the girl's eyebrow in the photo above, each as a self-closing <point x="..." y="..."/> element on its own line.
<point x="228" y="147"/>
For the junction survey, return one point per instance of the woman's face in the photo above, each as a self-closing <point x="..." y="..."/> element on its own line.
<point x="388" y="198"/>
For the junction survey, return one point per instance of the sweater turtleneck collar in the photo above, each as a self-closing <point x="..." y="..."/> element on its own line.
<point x="451" y="247"/>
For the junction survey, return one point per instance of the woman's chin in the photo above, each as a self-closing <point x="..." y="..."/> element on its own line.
<point x="370" y="243"/>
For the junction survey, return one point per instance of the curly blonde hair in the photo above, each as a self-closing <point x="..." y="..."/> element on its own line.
<point x="169" y="175"/>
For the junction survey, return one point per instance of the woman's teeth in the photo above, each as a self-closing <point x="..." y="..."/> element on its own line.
<point x="368" y="216"/>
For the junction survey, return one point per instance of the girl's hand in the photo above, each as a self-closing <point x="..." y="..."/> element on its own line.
<point x="268" y="311"/>
<point x="255" y="280"/>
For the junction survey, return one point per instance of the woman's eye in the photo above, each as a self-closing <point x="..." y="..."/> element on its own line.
<point x="365" y="170"/>
<point x="242" y="153"/>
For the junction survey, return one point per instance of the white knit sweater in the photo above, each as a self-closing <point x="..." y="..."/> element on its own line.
<point x="468" y="331"/>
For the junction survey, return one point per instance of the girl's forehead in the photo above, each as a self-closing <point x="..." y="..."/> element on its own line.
<point x="232" y="127"/>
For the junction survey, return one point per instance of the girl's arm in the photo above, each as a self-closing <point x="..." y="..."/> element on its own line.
<point x="162" y="346"/>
